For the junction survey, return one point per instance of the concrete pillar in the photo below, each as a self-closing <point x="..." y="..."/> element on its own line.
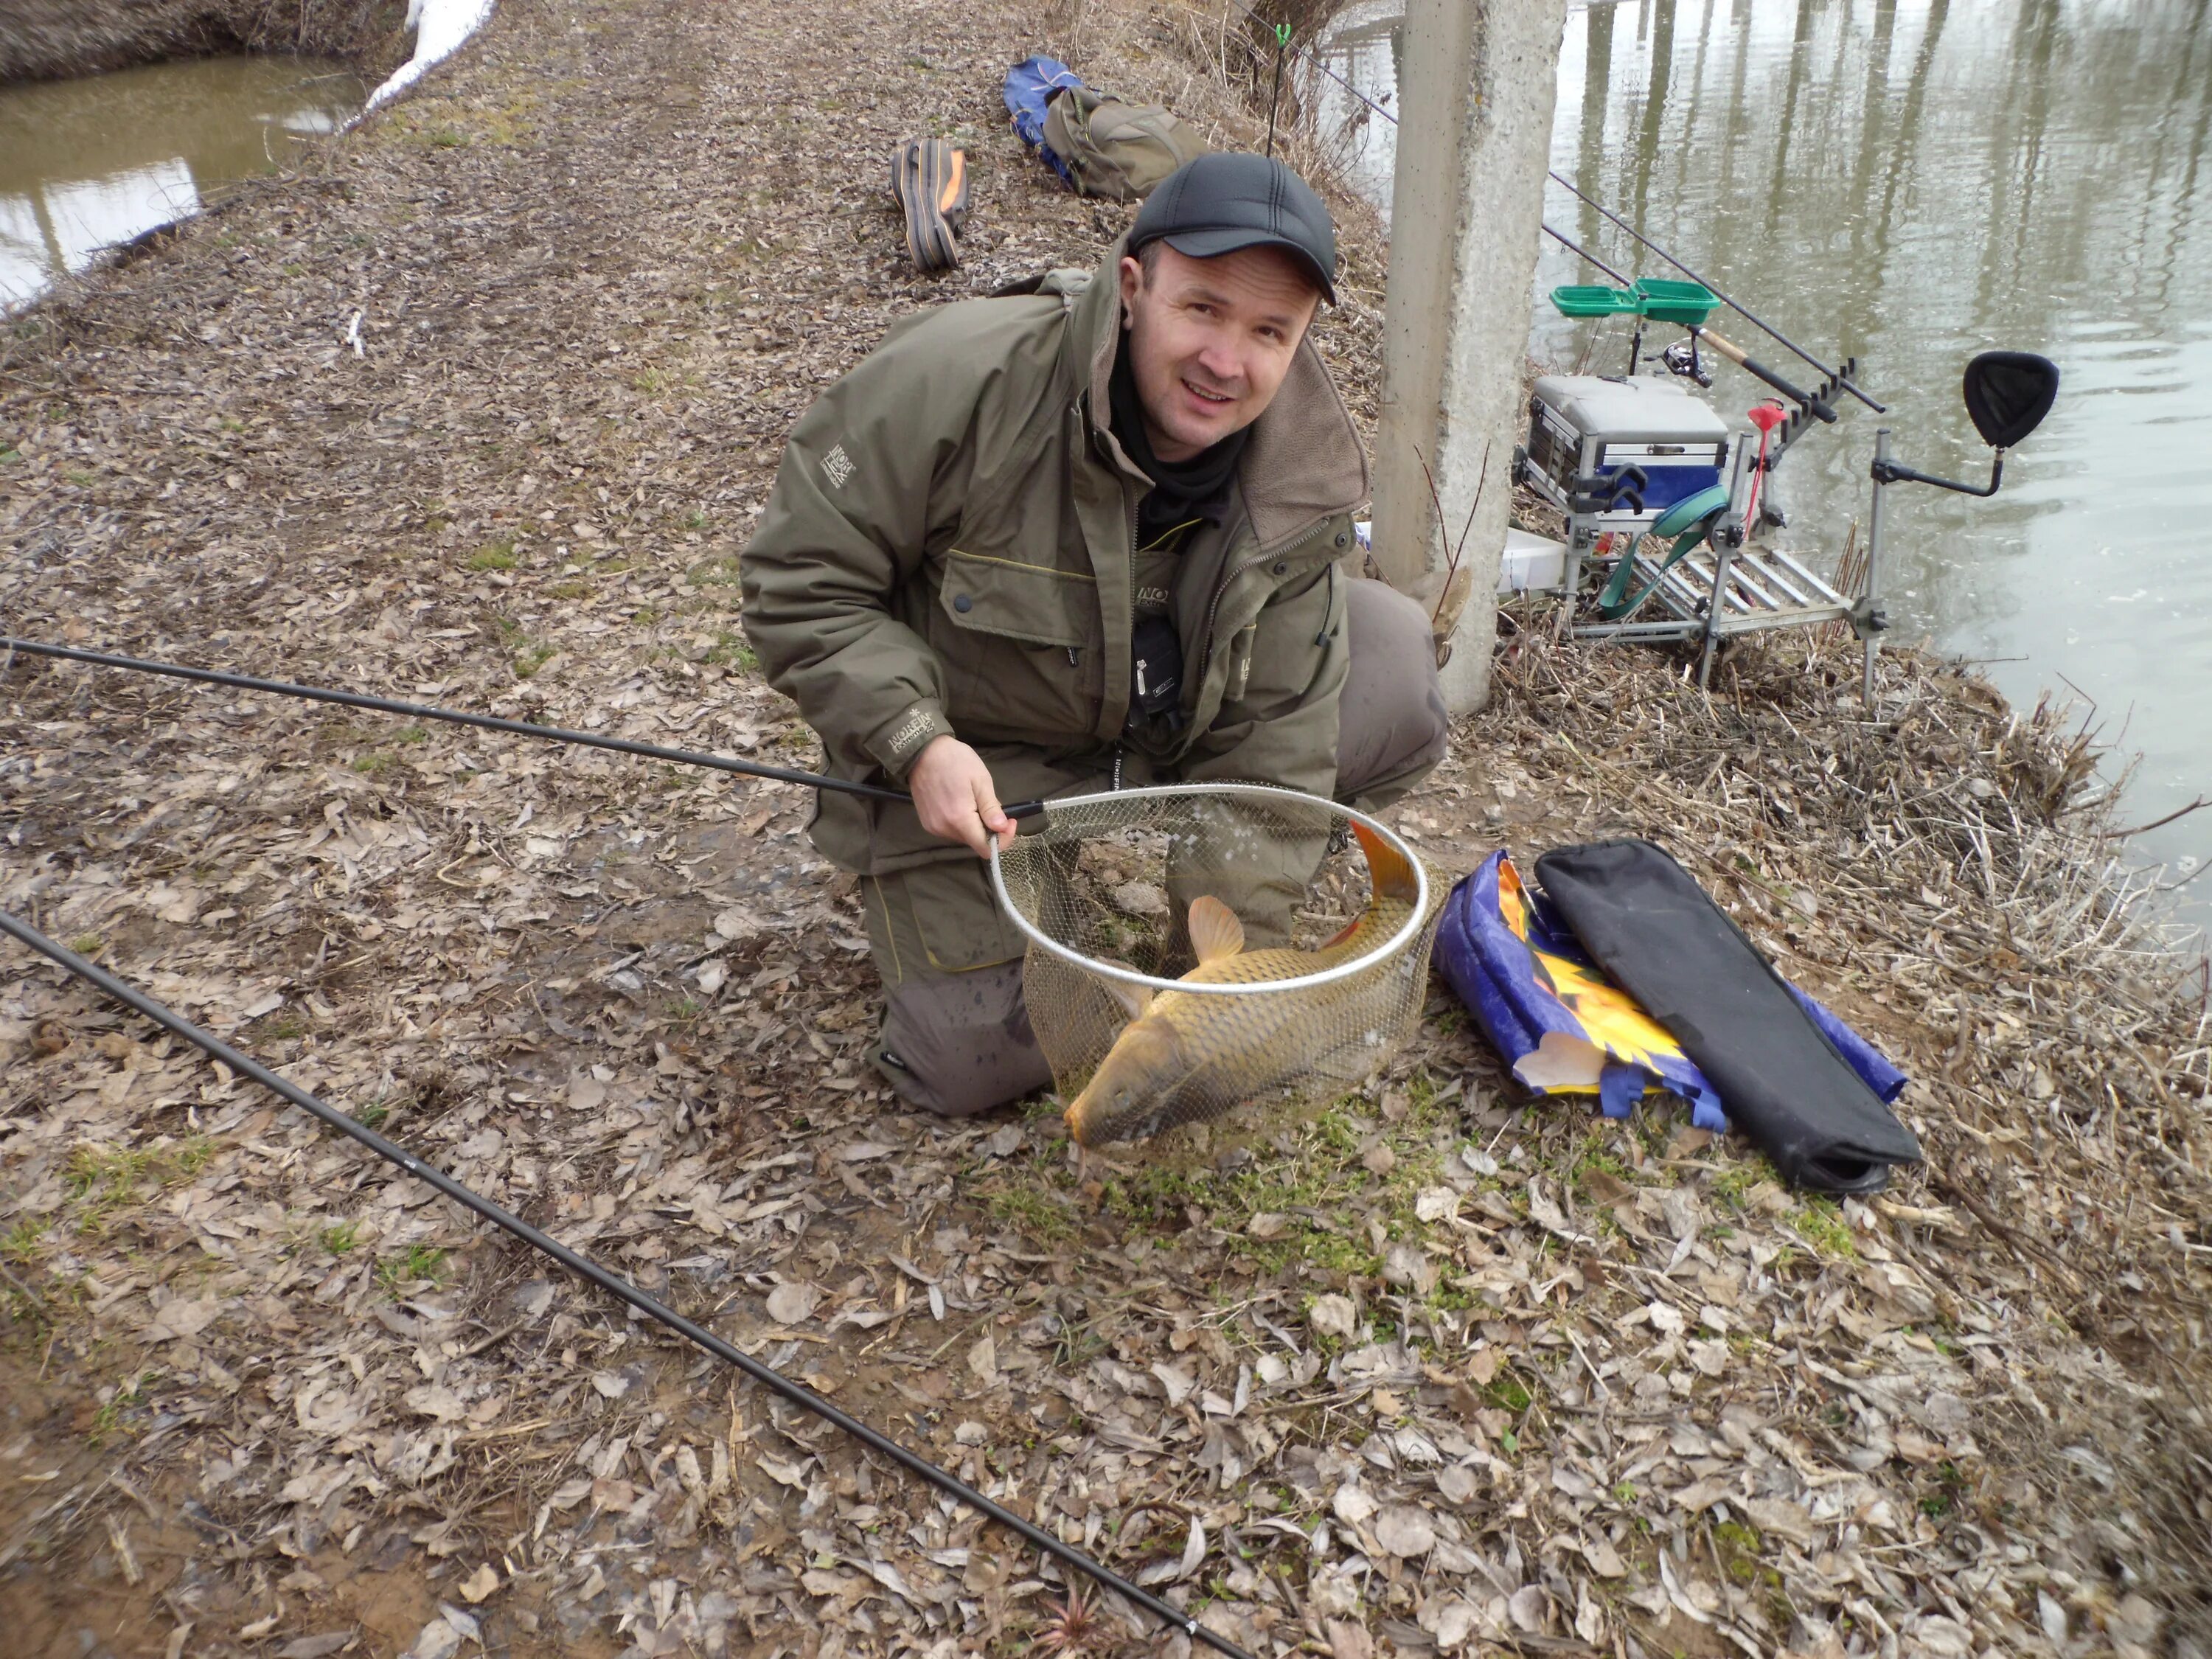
<point x="1466" y="210"/>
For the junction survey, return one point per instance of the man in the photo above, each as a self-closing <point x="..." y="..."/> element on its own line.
<point x="1084" y="536"/>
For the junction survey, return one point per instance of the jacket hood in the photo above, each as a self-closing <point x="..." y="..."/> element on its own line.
<point x="1304" y="461"/>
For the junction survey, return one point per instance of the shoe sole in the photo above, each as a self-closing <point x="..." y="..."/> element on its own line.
<point x="929" y="179"/>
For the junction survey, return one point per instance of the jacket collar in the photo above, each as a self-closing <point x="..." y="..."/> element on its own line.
<point x="1304" y="462"/>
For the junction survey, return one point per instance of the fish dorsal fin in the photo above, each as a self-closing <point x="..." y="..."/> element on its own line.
<point x="1215" y="932"/>
<point x="1134" y="999"/>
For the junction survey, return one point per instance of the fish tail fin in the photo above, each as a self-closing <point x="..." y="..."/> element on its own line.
<point x="1388" y="869"/>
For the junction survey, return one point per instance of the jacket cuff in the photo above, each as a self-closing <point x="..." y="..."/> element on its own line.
<point x="898" y="742"/>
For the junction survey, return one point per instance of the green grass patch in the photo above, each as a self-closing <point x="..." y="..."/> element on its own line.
<point x="104" y="1181"/>
<point x="575" y="588"/>
<point x="492" y="555"/>
<point x="731" y="651"/>
<point x="1734" y="1184"/>
<point x="112" y="1420"/>
<point x="417" y="1264"/>
<point x="340" y="1237"/>
<point x="86" y="944"/>
<point x="1036" y="1215"/>
<point x="374" y="763"/>
<point x="533" y="657"/>
<point x="1819" y="1222"/>
<point x="18" y="1245"/>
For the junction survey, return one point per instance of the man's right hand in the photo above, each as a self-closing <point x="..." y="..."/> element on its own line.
<point x="953" y="792"/>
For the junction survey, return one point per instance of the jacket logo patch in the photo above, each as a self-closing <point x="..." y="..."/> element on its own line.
<point x="912" y="730"/>
<point x="837" y="465"/>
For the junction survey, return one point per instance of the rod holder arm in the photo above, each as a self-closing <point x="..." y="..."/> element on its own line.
<point x="1889" y="473"/>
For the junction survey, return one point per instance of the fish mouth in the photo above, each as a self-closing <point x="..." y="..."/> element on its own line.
<point x="1131" y="1123"/>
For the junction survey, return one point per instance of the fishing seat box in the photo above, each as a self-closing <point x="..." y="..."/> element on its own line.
<point x="1585" y="426"/>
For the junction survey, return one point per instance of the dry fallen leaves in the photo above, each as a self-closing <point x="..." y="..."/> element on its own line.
<point x="1515" y="1376"/>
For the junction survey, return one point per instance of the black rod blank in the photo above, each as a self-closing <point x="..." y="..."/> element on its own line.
<point x="424" y="711"/>
<point x="585" y="1269"/>
<point x="1839" y="376"/>
<point x="1587" y="257"/>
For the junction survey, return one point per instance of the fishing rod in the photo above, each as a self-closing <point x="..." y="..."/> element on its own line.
<point x="585" y="1269"/>
<point x="1586" y="256"/>
<point x="1741" y="310"/>
<point x="1377" y="109"/>
<point x="1837" y="376"/>
<point x="483" y="722"/>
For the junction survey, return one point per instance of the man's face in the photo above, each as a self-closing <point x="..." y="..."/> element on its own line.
<point x="1210" y="340"/>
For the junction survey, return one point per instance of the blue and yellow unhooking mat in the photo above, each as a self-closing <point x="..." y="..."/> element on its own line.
<point x="1565" y="1026"/>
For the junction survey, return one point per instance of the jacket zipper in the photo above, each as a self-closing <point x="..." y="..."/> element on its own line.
<point x="1213" y="609"/>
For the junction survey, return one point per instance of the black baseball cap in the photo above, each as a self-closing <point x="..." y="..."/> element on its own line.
<point x="1230" y="199"/>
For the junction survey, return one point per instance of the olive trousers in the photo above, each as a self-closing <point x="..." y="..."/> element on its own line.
<point x="956" y="1038"/>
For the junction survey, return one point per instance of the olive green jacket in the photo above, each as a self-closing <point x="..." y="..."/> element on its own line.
<point x="949" y="548"/>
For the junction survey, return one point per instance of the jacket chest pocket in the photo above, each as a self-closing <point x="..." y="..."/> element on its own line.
<point x="1021" y="646"/>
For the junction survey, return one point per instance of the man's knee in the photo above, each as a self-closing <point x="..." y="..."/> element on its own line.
<point x="955" y="1037"/>
<point x="956" y="1044"/>
<point x="1392" y="730"/>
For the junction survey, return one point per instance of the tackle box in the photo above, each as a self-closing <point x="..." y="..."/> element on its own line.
<point x="1585" y="427"/>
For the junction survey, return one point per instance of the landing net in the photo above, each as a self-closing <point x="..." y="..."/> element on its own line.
<point x="1328" y="983"/>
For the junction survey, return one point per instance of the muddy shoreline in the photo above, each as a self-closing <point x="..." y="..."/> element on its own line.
<point x="1440" y="1370"/>
<point x="52" y="40"/>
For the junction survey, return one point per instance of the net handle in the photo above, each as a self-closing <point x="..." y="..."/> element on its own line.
<point x="1274" y="795"/>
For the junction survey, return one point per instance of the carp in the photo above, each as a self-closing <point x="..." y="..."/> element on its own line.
<point x="1186" y="1056"/>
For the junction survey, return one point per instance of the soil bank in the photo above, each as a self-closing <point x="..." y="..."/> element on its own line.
<point x="48" y="39"/>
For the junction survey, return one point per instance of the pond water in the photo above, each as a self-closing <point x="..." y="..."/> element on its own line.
<point x="1909" y="181"/>
<point x="89" y="164"/>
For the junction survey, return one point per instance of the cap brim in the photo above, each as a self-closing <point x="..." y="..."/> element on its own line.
<point x="1212" y="243"/>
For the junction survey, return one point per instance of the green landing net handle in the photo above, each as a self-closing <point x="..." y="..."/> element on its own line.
<point x="1689" y="521"/>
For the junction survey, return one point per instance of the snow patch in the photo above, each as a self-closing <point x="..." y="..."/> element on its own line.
<point x="441" y="28"/>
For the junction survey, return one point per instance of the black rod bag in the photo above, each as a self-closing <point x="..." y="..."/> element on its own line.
<point x="1648" y="924"/>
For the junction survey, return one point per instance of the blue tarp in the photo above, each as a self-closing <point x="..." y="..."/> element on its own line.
<point x="1563" y="1028"/>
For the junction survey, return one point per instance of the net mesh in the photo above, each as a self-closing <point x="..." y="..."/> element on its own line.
<point x="1336" y="921"/>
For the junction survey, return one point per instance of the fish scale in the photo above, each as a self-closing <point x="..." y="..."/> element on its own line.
<point x="1189" y="1057"/>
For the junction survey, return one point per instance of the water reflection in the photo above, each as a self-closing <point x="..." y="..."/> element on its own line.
<point x="1909" y="181"/>
<point x="90" y="164"/>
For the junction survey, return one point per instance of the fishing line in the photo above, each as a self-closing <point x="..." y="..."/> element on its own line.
<point x="1842" y="381"/>
<point x="483" y="722"/>
<point x="585" y="1269"/>
<point x="1750" y="316"/>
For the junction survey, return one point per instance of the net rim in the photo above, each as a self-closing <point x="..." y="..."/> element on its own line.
<point x="1396" y="944"/>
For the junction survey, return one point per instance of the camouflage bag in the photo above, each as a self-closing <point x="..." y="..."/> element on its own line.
<point x="1116" y="149"/>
